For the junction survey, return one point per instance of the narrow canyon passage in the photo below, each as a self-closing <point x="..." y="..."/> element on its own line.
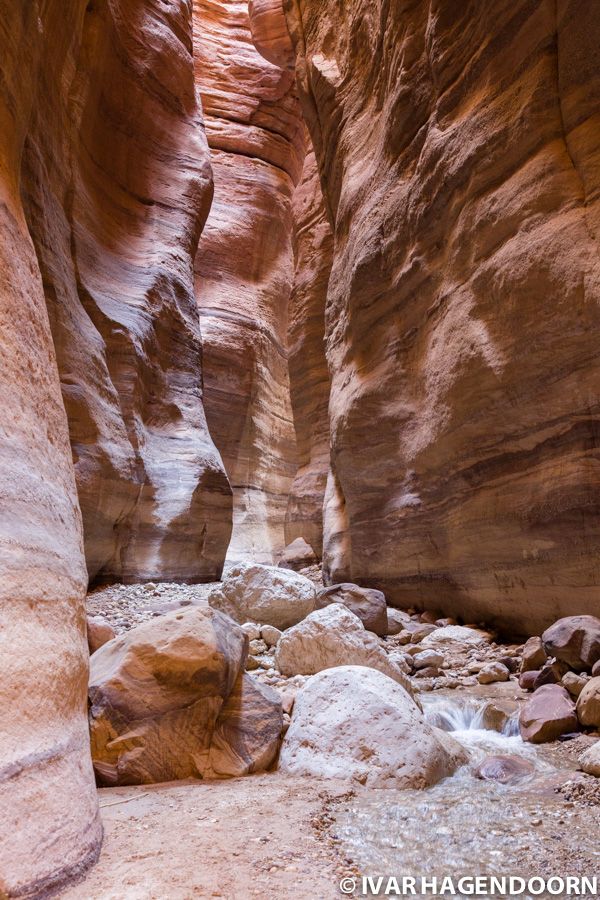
<point x="300" y="446"/>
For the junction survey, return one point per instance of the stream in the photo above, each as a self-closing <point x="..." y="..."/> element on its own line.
<point x="466" y="826"/>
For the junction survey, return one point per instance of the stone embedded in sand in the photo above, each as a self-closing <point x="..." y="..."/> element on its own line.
<point x="504" y="769"/>
<point x="353" y="722"/>
<point x="534" y="656"/>
<point x="331" y="637"/>
<point x="588" y="703"/>
<point x="99" y="632"/>
<point x="549" y="713"/>
<point x="369" y="605"/>
<point x="264" y="594"/>
<point x="589" y="760"/>
<point x="156" y="694"/>
<point x="247" y="733"/>
<point x="574" y="640"/>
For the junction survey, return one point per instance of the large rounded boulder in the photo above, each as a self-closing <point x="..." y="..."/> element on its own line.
<point x="332" y="637"/>
<point x="169" y="700"/>
<point x="574" y="640"/>
<point x="549" y="713"/>
<point x="353" y="722"/>
<point x="588" y="704"/>
<point x="368" y="604"/>
<point x="268" y="595"/>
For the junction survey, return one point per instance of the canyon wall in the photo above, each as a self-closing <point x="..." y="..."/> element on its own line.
<point x="461" y="173"/>
<point x="50" y="826"/>
<point x="309" y="377"/>
<point x="117" y="184"/>
<point x="244" y="266"/>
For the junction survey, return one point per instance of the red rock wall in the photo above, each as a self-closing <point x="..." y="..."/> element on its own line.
<point x="309" y="377"/>
<point x="49" y="824"/>
<point x="462" y="175"/>
<point x="117" y="184"/>
<point x="244" y="269"/>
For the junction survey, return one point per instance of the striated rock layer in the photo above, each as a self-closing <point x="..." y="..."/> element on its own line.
<point x="117" y="183"/>
<point x="309" y="377"/>
<point x="244" y="269"/>
<point x="461" y="174"/>
<point x="49" y="826"/>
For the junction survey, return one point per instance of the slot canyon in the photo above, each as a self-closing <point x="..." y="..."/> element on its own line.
<point x="300" y="490"/>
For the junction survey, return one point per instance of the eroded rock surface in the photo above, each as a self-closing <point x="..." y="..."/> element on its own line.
<point x="244" y="269"/>
<point x="461" y="177"/>
<point x="264" y="594"/>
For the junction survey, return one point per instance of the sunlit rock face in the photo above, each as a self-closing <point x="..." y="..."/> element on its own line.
<point x="116" y="182"/>
<point x="309" y="378"/>
<point x="462" y="175"/>
<point x="244" y="269"/>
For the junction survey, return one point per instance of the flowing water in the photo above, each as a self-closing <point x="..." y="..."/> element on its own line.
<point x="466" y="826"/>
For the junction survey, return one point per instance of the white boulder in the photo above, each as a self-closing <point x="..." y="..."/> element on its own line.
<point x="265" y="594"/>
<point x="354" y="722"/>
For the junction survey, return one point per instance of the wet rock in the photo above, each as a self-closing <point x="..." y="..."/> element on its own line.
<point x="497" y="713"/>
<point x="589" y="761"/>
<point x="264" y="594"/>
<point x="99" y="632"/>
<point x="549" y="713"/>
<point x="504" y="769"/>
<point x="298" y="555"/>
<point x="156" y="693"/>
<point x="527" y="680"/>
<point x="248" y="730"/>
<point x="352" y="722"/>
<point x="270" y="635"/>
<point x="588" y="703"/>
<point x="369" y="605"/>
<point x="534" y="655"/>
<point x="332" y="637"/>
<point x="574" y="640"/>
<point x="427" y="658"/>
<point x="573" y="683"/>
<point x="493" y="672"/>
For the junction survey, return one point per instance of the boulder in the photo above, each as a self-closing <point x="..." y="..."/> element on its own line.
<point x="353" y="722"/>
<point x="369" y="605"/>
<point x="504" y="769"/>
<point x="265" y="594"/>
<point x="331" y="637"/>
<point x="588" y="704"/>
<point x="551" y="673"/>
<point x="252" y="630"/>
<point x="496" y="714"/>
<point x="589" y="761"/>
<point x="420" y="630"/>
<point x="270" y="635"/>
<point x="455" y="634"/>
<point x="549" y="713"/>
<point x="99" y="632"/>
<point x="427" y="658"/>
<point x="492" y="672"/>
<point x="534" y="655"/>
<point x="527" y="680"/>
<point x="397" y="620"/>
<point x="573" y="683"/>
<point x="298" y="555"/>
<point x="247" y="733"/>
<point x="574" y="640"/>
<point x="159" y="693"/>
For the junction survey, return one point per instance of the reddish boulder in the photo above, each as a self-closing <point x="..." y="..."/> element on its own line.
<point x="574" y="640"/>
<point x="99" y="632"/>
<point x="547" y="715"/>
<point x="369" y="605"/>
<point x="534" y="655"/>
<point x="588" y="704"/>
<point x="527" y="680"/>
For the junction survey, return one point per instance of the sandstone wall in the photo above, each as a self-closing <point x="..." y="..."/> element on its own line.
<point x="458" y="148"/>
<point x="309" y="377"/>
<point x="244" y="269"/>
<point x="49" y="825"/>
